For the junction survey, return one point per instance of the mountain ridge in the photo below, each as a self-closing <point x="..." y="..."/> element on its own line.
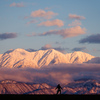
<point x="77" y="87"/>
<point x="20" y="58"/>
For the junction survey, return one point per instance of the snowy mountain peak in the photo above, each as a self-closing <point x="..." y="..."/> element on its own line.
<point x="20" y="50"/>
<point x="10" y="50"/>
<point x="79" y="57"/>
<point x="48" y="50"/>
<point x="78" y="53"/>
<point x="20" y="58"/>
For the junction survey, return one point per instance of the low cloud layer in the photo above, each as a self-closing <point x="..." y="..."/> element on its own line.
<point x="95" y="38"/>
<point x="53" y="74"/>
<point x="7" y="35"/>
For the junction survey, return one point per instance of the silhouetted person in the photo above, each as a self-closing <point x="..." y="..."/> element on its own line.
<point x="59" y="88"/>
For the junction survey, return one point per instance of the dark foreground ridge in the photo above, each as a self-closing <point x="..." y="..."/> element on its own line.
<point x="49" y="97"/>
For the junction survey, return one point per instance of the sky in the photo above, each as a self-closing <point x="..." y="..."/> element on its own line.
<point x="64" y="25"/>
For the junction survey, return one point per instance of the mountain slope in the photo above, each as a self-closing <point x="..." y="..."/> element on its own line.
<point x="79" y="57"/>
<point x="50" y="56"/>
<point x="13" y="87"/>
<point x="17" y="58"/>
<point x="89" y="86"/>
<point x="20" y="58"/>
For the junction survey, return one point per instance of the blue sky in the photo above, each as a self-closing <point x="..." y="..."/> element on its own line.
<point x="65" y="25"/>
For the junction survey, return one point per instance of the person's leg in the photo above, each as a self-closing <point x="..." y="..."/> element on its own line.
<point x="57" y="91"/>
<point x="60" y="91"/>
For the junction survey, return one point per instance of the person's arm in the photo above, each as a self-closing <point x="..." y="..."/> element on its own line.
<point x="55" y="88"/>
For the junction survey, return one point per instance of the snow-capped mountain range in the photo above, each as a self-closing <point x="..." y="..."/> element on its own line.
<point x="20" y="58"/>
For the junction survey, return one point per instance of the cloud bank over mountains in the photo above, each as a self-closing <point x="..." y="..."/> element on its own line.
<point x="52" y="75"/>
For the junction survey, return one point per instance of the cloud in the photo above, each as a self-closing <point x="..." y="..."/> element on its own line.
<point x="95" y="38"/>
<point x="43" y="14"/>
<point x="68" y="32"/>
<point x="26" y="17"/>
<point x="31" y="50"/>
<point x="47" y="8"/>
<point x="55" y="22"/>
<point x="32" y="21"/>
<point x="75" y="23"/>
<point x="52" y="74"/>
<point x="48" y="46"/>
<point x="74" y="16"/>
<point x="63" y="50"/>
<point x="94" y="60"/>
<point x="17" y="4"/>
<point x="32" y="34"/>
<point x="8" y="35"/>
<point x="59" y="43"/>
<point x="45" y="47"/>
<point x="79" y="49"/>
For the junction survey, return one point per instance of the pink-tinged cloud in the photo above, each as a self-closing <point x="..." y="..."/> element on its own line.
<point x="55" y="22"/>
<point x="49" y="46"/>
<point x="26" y="17"/>
<point x="17" y="4"/>
<point x="44" y="14"/>
<point x="47" y="8"/>
<point x="32" y="21"/>
<point x="30" y="35"/>
<point x="68" y="32"/>
<point x="75" y="23"/>
<point x="74" y="16"/>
